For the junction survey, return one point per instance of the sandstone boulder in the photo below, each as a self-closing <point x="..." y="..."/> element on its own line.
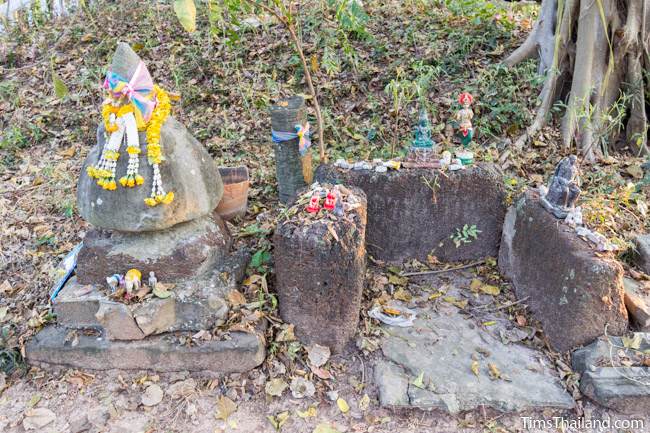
<point x="572" y="291"/>
<point x="188" y="170"/>
<point x="413" y="213"/>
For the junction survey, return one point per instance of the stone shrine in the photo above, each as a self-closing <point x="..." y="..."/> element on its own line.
<point x="152" y="216"/>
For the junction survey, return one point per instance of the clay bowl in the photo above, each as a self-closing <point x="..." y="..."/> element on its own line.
<point x="235" y="192"/>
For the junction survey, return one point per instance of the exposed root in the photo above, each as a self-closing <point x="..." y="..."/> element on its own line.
<point x="603" y="48"/>
<point x="539" y="42"/>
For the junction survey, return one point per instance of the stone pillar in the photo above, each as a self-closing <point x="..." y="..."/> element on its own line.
<point x="320" y="267"/>
<point x="292" y="171"/>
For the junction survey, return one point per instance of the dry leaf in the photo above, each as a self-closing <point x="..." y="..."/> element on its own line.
<point x="275" y="387"/>
<point x="490" y="290"/>
<point x="494" y="371"/>
<point x="318" y="355"/>
<point x="402" y="294"/>
<point x="301" y="387"/>
<point x="364" y="402"/>
<point x="225" y="408"/>
<point x="152" y="395"/>
<point x="330" y="229"/>
<point x="321" y="372"/>
<point x="633" y="342"/>
<point x="236" y="298"/>
<point x="278" y="421"/>
<point x="286" y="334"/>
<point x="325" y="428"/>
<point x="419" y="381"/>
<point x="475" y="368"/>
<point x="309" y="413"/>
<point x="343" y="405"/>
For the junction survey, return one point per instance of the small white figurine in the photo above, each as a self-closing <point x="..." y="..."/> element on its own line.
<point x="152" y="280"/>
<point x="115" y="281"/>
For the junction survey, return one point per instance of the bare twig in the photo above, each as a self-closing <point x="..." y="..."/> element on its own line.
<point x="442" y="271"/>
<point x="287" y="22"/>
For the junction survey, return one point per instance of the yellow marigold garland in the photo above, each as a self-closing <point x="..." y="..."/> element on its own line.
<point x="106" y="178"/>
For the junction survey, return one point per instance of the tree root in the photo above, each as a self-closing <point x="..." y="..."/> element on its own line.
<point x="602" y="47"/>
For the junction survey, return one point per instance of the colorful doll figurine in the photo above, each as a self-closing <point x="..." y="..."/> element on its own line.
<point x="115" y="281"/>
<point x="464" y="118"/>
<point x="132" y="282"/>
<point x="330" y="201"/>
<point x="313" y="206"/>
<point x="153" y="281"/>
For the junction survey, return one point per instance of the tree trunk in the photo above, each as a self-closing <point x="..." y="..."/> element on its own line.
<point x="602" y="48"/>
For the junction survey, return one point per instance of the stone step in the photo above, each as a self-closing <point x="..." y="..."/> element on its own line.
<point x="605" y="378"/>
<point x="414" y="213"/>
<point x="195" y="304"/>
<point x="54" y="345"/>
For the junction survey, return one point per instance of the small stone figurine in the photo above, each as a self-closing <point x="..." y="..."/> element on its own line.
<point x="464" y="118"/>
<point x="563" y="190"/>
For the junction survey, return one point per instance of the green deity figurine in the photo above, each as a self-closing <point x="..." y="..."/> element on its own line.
<point x="423" y="138"/>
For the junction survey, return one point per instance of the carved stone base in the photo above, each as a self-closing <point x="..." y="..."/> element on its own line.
<point x="61" y="346"/>
<point x="175" y="254"/>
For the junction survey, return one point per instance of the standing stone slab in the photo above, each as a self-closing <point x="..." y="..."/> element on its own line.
<point x="320" y="278"/>
<point x="188" y="171"/>
<point x="573" y="292"/>
<point x="175" y="254"/>
<point x="413" y="213"/>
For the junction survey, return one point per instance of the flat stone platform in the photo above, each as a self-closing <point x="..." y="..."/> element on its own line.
<point x="163" y="353"/>
<point x="413" y="213"/>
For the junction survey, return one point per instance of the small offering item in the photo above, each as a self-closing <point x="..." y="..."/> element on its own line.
<point x="563" y="190"/>
<point x="115" y="281"/>
<point x="313" y="206"/>
<point x="464" y="118"/>
<point x="330" y="201"/>
<point x="153" y="281"/>
<point x="465" y="156"/>
<point x="421" y="154"/>
<point x="132" y="281"/>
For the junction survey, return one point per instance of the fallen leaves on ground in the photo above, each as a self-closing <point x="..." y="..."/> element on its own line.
<point x="225" y="408"/>
<point x="37" y="418"/>
<point x="318" y="355"/>
<point x="343" y="405"/>
<point x="275" y="387"/>
<point x="152" y="395"/>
